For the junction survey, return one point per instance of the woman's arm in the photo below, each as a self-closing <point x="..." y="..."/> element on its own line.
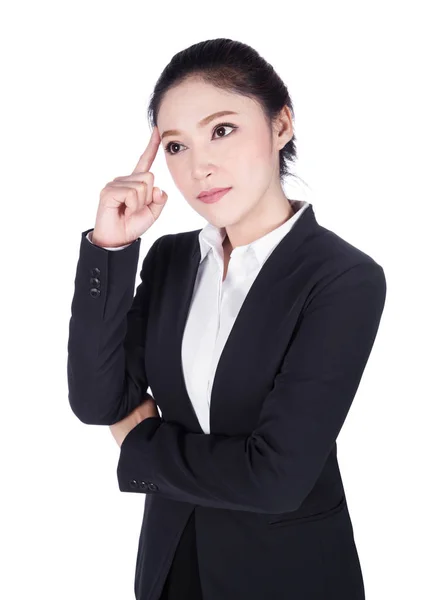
<point x="106" y="373"/>
<point x="275" y="467"/>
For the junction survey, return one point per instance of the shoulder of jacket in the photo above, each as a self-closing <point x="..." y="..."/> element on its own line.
<point x="337" y="253"/>
<point x="334" y="263"/>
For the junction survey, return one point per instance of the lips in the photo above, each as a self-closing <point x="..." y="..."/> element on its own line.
<point x="211" y="191"/>
<point x="213" y="195"/>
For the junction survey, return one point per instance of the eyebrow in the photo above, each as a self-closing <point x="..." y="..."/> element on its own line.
<point x="201" y="123"/>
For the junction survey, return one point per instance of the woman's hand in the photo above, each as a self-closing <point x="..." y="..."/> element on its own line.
<point x="129" y="205"/>
<point x="122" y="428"/>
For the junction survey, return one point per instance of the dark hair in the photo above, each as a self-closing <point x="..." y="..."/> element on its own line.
<point x="232" y="66"/>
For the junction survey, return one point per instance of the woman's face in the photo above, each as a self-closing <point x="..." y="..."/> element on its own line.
<point x="230" y="150"/>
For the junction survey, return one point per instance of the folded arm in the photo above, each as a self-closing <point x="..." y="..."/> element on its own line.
<point x="274" y="468"/>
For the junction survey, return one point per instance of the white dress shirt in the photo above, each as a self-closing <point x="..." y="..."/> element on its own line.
<point x="215" y="303"/>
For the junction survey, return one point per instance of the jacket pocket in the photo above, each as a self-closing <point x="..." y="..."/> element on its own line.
<point x="286" y="519"/>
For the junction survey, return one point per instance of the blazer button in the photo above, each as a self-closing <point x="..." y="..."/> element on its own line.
<point x="95" y="272"/>
<point x="152" y="487"/>
<point x="133" y="483"/>
<point x="143" y="485"/>
<point x="94" y="281"/>
<point x="95" y="292"/>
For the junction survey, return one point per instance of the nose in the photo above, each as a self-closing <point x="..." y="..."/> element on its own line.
<point x="201" y="165"/>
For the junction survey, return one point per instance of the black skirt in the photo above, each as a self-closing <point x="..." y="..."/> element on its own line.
<point x="183" y="579"/>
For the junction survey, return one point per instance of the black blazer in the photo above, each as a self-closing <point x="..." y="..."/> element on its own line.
<point x="271" y="514"/>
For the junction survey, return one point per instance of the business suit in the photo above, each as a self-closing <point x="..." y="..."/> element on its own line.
<point x="264" y="488"/>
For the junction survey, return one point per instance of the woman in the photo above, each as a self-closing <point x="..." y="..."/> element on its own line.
<point x="253" y="334"/>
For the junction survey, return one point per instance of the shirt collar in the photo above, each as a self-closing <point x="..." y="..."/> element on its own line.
<point x="212" y="237"/>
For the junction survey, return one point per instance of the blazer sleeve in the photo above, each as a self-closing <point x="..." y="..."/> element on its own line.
<point x="273" y="469"/>
<point x="105" y="365"/>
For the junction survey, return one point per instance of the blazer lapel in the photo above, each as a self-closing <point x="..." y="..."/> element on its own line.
<point x="266" y="306"/>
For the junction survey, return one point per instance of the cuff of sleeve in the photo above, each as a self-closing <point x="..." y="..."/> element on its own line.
<point x="89" y="237"/>
<point x="135" y="471"/>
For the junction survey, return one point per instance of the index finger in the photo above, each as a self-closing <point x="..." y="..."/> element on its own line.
<point x="146" y="159"/>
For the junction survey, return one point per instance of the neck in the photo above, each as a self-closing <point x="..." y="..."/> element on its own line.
<point x="267" y="215"/>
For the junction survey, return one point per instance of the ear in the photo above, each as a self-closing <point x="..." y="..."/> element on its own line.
<point x="283" y="127"/>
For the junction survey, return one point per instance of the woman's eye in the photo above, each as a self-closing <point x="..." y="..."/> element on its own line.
<point x="171" y="145"/>
<point x="221" y="126"/>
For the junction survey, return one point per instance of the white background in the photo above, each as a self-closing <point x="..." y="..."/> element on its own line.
<point x="76" y="79"/>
